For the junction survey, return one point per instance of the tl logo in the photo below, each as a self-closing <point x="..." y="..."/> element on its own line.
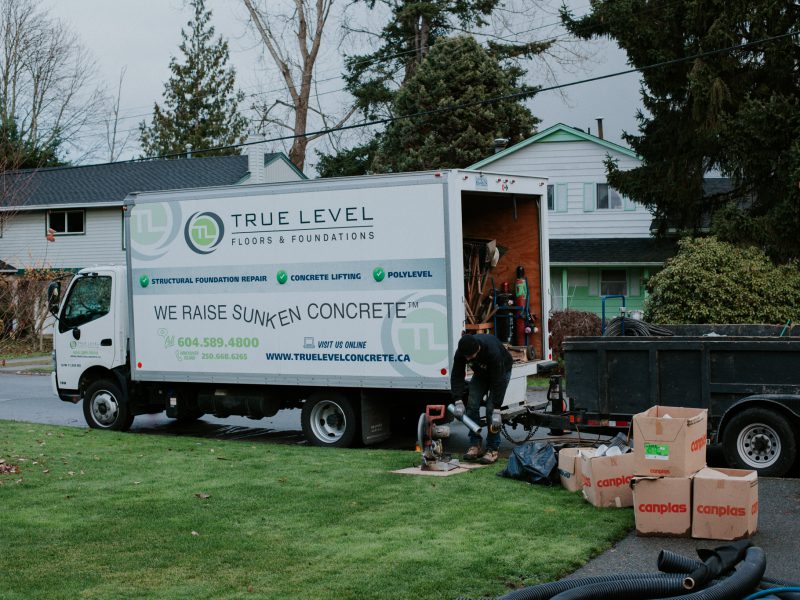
<point x="203" y="232"/>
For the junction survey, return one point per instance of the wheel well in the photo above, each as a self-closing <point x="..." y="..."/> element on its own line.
<point x="94" y="374"/>
<point x="771" y="405"/>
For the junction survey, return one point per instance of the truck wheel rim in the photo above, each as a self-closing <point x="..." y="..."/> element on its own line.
<point x="759" y="445"/>
<point x="104" y="408"/>
<point x="328" y="422"/>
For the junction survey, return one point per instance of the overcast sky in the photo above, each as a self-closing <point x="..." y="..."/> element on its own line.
<point x="142" y="35"/>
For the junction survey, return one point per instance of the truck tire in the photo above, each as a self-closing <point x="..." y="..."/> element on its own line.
<point x="105" y="406"/>
<point x="329" y="419"/>
<point x="760" y="439"/>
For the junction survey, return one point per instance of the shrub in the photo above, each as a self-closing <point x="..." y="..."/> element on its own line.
<point x="567" y="323"/>
<point x="710" y="281"/>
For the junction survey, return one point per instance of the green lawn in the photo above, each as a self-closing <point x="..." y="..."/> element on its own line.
<point x="107" y="515"/>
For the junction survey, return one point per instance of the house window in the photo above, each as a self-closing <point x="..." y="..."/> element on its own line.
<point x="66" y="222"/>
<point x="613" y="282"/>
<point x="551" y="197"/>
<point x="608" y="198"/>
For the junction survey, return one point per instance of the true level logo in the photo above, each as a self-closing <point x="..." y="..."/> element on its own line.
<point x="203" y="232"/>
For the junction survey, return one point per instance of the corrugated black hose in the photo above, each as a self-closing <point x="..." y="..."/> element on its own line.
<point x="628" y="589"/>
<point x="672" y="562"/>
<point x="716" y="562"/>
<point x="740" y="583"/>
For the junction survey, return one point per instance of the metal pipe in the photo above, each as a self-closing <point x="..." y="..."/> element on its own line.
<point x="471" y="425"/>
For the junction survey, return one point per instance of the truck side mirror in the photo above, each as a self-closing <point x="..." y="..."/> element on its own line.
<point x="53" y="297"/>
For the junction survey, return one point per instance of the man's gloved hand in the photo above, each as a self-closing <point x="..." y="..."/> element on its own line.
<point x="459" y="409"/>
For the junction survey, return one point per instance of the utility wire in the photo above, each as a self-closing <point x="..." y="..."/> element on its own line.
<point x="454" y="107"/>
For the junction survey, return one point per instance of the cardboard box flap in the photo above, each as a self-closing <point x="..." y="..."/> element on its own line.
<point x="664" y="429"/>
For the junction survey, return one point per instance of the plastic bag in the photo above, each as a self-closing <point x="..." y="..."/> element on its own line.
<point x="534" y="462"/>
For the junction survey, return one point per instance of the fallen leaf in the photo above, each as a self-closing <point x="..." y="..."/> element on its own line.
<point x="70" y="472"/>
<point x="203" y="496"/>
<point x="136" y="482"/>
<point x="4" y="468"/>
<point x="250" y="589"/>
<point x="194" y="533"/>
<point x="46" y="471"/>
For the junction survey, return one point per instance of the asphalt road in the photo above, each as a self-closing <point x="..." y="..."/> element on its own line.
<point x="29" y="398"/>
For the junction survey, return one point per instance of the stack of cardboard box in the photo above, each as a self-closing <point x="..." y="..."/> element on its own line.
<point x="674" y="493"/>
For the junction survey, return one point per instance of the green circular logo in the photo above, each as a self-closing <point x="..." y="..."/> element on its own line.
<point x="144" y="281"/>
<point x="379" y="274"/>
<point x="203" y="232"/>
<point x="73" y="344"/>
<point x="282" y="276"/>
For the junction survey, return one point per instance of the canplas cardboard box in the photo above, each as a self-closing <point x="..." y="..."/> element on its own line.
<point x="569" y="467"/>
<point x="725" y="504"/>
<point x="607" y="479"/>
<point x="670" y="441"/>
<point x="662" y="506"/>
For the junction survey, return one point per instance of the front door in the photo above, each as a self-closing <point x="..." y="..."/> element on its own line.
<point x="85" y="329"/>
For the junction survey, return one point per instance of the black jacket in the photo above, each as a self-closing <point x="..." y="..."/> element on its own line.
<point x="493" y="362"/>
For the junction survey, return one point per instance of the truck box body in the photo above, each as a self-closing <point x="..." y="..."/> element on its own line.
<point x="355" y="282"/>
<point x="341" y="296"/>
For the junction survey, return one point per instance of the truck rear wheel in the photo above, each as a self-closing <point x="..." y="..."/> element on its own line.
<point x="329" y="419"/>
<point x="758" y="438"/>
<point x="105" y="406"/>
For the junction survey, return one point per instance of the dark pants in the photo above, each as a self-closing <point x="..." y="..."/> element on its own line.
<point x="478" y="388"/>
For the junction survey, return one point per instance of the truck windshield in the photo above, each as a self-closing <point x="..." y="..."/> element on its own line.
<point x="89" y="299"/>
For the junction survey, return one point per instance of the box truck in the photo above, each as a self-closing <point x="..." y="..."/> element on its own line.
<point x="343" y="297"/>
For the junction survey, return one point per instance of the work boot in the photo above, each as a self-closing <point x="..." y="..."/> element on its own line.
<point x="473" y="453"/>
<point x="489" y="457"/>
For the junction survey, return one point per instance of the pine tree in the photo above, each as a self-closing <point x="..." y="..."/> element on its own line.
<point x="457" y="71"/>
<point x="200" y="104"/>
<point x="737" y="111"/>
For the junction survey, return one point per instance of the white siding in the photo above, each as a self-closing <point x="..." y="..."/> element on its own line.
<point x="278" y="170"/>
<point x="23" y="244"/>
<point x="576" y="164"/>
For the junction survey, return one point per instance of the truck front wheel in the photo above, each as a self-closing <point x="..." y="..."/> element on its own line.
<point x="105" y="406"/>
<point x="329" y="419"/>
<point x="758" y="438"/>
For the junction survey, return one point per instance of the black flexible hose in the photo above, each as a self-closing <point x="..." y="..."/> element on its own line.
<point x="635" y="327"/>
<point x="740" y="583"/>
<point x="716" y="562"/>
<point x="672" y="562"/>
<point x="775" y="582"/>
<point x="630" y="589"/>
<point x="545" y="591"/>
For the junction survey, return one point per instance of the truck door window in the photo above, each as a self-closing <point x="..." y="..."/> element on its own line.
<point x="89" y="299"/>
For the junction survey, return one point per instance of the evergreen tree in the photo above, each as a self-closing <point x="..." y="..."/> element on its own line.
<point x="375" y="78"/>
<point x="457" y="71"/>
<point x="737" y="111"/>
<point x="200" y="104"/>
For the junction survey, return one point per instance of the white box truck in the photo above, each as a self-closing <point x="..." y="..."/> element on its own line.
<point x="341" y="296"/>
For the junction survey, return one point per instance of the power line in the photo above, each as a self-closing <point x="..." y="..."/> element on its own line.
<point x="460" y="106"/>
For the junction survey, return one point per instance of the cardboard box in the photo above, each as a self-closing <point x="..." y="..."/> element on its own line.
<point x="569" y="467"/>
<point x="607" y="480"/>
<point x="724" y="504"/>
<point x="662" y="506"/>
<point x="672" y="445"/>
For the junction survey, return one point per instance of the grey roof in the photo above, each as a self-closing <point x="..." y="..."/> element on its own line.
<point x="110" y="183"/>
<point x="616" y="251"/>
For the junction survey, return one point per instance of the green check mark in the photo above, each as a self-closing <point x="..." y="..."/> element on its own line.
<point x="282" y="277"/>
<point x="144" y="281"/>
<point x="378" y="273"/>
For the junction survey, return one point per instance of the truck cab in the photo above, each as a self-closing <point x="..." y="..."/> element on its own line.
<point x="90" y="343"/>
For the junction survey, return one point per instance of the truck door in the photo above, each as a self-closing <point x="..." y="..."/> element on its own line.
<point x="85" y="329"/>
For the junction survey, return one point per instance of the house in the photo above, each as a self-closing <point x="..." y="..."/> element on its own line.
<point x="82" y="206"/>
<point x="600" y="242"/>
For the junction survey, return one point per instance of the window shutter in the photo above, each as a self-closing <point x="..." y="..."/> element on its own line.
<point x="629" y="204"/>
<point x="589" y="197"/>
<point x="561" y="197"/>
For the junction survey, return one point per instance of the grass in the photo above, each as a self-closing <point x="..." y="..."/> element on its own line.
<point x="107" y="515"/>
<point x="539" y="381"/>
<point x="11" y="349"/>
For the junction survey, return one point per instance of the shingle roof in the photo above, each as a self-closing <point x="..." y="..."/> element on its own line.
<point x="7" y="268"/>
<point x="617" y="251"/>
<point x="110" y="183"/>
